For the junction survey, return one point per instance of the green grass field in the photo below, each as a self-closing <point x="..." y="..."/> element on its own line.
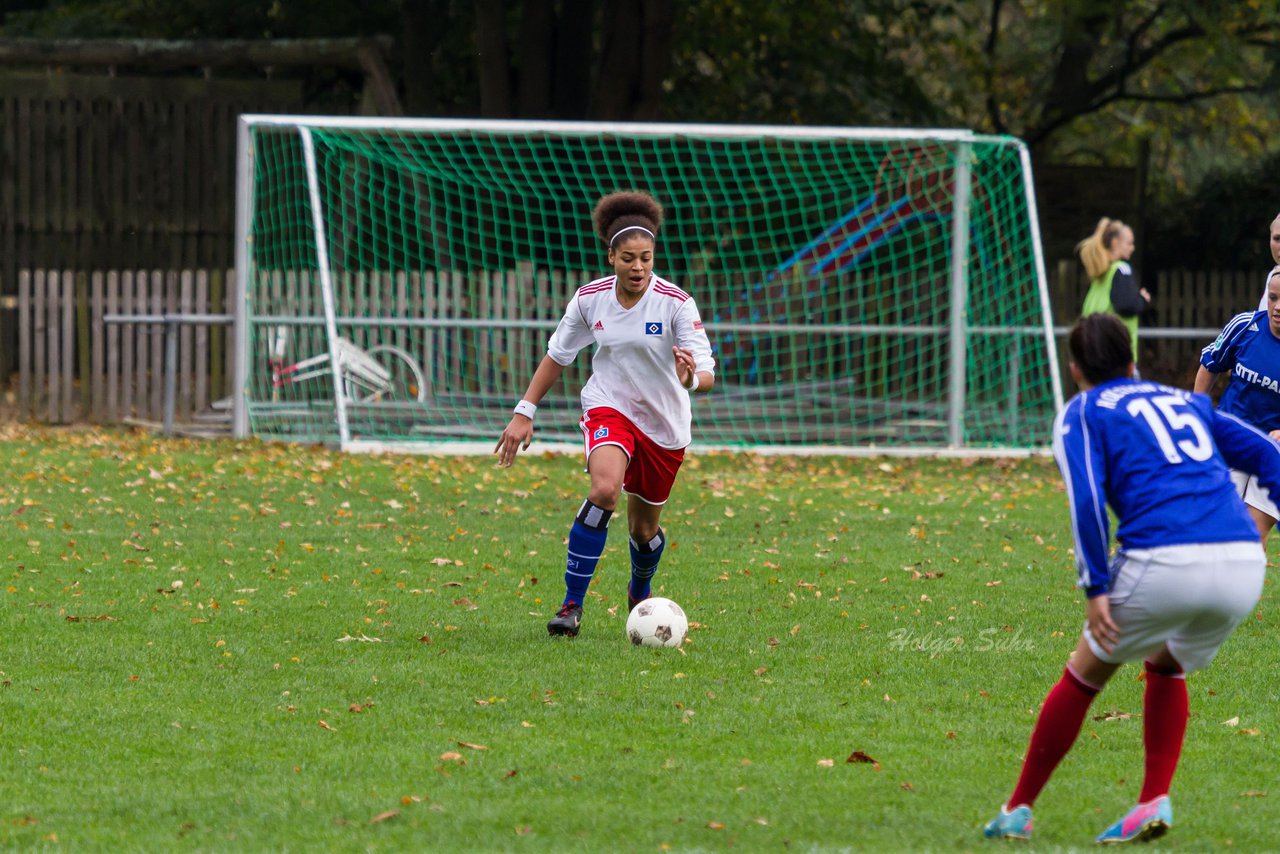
<point x="240" y="647"/>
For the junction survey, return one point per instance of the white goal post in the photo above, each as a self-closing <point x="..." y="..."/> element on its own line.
<point x="863" y="289"/>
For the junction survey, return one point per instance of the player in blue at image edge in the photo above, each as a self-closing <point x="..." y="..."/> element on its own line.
<point x="651" y="354"/>
<point x="1248" y="352"/>
<point x="1188" y="569"/>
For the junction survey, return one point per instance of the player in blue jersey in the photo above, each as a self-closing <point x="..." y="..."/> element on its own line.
<point x="1188" y="569"/>
<point x="1274" y="231"/>
<point x="1248" y="351"/>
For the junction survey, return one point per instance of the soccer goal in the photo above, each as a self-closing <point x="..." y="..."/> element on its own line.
<point x="862" y="288"/>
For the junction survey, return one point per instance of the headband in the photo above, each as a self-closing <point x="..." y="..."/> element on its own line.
<point x="622" y="231"/>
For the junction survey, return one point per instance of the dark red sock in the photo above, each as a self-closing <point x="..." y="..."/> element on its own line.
<point x="1054" y="733"/>
<point x="1164" y="723"/>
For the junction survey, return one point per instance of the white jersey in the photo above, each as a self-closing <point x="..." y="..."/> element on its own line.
<point x="633" y="369"/>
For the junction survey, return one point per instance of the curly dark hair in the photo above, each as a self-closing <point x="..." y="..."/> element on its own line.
<point x="625" y="209"/>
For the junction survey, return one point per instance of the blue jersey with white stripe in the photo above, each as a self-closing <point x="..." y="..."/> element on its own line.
<point x="1159" y="457"/>
<point x="1251" y="352"/>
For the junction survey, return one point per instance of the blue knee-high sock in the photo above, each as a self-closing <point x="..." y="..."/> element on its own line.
<point x="586" y="545"/>
<point x="644" y="563"/>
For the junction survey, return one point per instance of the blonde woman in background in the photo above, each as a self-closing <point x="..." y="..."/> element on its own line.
<point x="1112" y="286"/>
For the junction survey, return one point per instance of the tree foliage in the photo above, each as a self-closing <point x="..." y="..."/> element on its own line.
<point x="1082" y="81"/>
<point x="794" y="62"/>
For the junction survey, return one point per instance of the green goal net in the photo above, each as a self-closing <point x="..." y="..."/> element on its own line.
<point x="861" y="288"/>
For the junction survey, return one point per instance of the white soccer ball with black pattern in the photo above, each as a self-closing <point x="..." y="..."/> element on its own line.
<point x="657" y="622"/>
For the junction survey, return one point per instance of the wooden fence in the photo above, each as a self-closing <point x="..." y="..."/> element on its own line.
<point x="1182" y="301"/>
<point x="113" y="171"/>
<point x="73" y="366"/>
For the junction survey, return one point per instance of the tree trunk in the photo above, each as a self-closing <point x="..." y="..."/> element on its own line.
<point x="492" y="62"/>
<point x="654" y="53"/>
<point x="421" y="37"/>
<point x="634" y="47"/>
<point x="537" y="53"/>
<point x="617" y="84"/>
<point x="571" y="90"/>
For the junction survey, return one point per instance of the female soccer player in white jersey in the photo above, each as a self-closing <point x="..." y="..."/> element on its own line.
<point x="651" y="353"/>
<point x="1248" y="349"/>
<point x="1188" y="569"/>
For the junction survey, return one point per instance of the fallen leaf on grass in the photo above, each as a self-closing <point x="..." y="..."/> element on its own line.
<point x="451" y="756"/>
<point x="524" y="830"/>
<point x="325" y="725"/>
<point x="715" y="825"/>
<point x="1231" y="722"/>
<point x="362" y="638"/>
<point x="859" y="756"/>
<point x="1249" y="731"/>
<point x="1253" y="793"/>
<point x="470" y="745"/>
<point x="384" y="816"/>
<point x="826" y="763"/>
<point x="1113" y="715"/>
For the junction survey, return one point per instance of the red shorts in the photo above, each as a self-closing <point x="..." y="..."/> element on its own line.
<point x="651" y="469"/>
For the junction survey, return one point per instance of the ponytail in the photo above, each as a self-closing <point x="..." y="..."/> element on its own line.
<point x="1095" y="249"/>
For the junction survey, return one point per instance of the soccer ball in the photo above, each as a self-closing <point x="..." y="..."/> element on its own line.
<point x="657" y="622"/>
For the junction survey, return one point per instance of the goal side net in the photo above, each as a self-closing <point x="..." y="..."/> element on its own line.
<point x="861" y="288"/>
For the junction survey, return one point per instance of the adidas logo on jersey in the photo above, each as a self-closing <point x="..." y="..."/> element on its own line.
<point x="1253" y="327"/>
<point x="599" y="327"/>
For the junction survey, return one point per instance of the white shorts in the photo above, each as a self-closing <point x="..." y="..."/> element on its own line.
<point x="1254" y="493"/>
<point x="1188" y="598"/>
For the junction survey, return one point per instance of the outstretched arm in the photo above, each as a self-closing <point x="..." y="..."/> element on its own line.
<point x="1247" y="449"/>
<point x="1084" y="472"/>
<point x="695" y="364"/>
<point x="1205" y="379"/>
<point x="1126" y="296"/>
<point x="519" y="431"/>
<point x="686" y="369"/>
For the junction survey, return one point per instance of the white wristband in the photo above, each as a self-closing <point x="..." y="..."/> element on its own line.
<point x="694" y="386"/>
<point x="527" y="409"/>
